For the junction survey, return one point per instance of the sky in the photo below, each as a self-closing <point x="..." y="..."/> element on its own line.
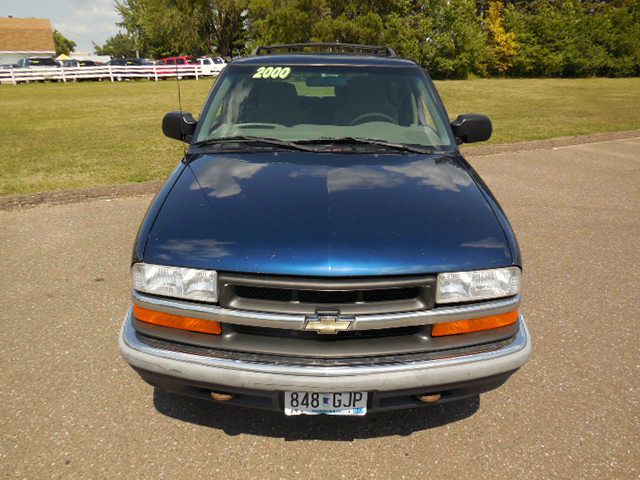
<point x="82" y="21"/>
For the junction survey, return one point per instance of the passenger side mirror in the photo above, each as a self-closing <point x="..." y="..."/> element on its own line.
<point x="179" y="126"/>
<point x="472" y="127"/>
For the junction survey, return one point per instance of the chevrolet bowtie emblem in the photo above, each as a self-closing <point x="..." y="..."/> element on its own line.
<point x="328" y="323"/>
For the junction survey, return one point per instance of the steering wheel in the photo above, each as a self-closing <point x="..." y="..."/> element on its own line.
<point x="359" y="119"/>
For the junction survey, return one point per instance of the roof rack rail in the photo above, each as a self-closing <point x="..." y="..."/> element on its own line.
<point x="325" y="48"/>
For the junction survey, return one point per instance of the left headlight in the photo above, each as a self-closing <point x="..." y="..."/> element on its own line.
<point x="478" y="285"/>
<point x="189" y="283"/>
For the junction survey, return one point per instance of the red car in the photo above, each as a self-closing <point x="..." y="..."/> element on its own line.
<point x="182" y="60"/>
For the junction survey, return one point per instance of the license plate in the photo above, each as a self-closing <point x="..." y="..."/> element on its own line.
<point x="314" y="403"/>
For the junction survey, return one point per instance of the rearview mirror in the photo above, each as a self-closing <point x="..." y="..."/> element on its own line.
<point x="179" y="126"/>
<point x="472" y="127"/>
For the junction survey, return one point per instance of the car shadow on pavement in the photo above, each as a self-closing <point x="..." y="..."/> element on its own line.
<point x="237" y="420"/>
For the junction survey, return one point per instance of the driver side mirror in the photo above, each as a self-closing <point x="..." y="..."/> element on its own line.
<point x="179" y="126"/>
<point x="472" y="127"/>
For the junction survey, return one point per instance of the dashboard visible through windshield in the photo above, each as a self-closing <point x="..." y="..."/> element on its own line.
<point x="305" y="103"/>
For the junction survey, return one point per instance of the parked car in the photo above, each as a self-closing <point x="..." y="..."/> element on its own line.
<point x="38" y="62"/>
<point x="78" y="63"/>
<point x="211" y="65"/>
<point x="128" y="61"/>
<point x="131" y="62"/>
<point x="169" y="65"/>
<point x="324" y="247"/>
<point x="180" y="60"/>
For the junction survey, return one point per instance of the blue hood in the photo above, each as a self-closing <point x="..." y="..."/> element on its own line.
<point x="297" y="213"/>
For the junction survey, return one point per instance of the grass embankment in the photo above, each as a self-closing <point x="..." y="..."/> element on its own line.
<point x="63" y="136"/>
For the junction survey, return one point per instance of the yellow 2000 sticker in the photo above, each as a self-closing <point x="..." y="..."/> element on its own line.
<point x="272" y="72"/>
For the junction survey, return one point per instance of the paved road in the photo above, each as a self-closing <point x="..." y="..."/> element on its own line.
<point x="70" y="407"/>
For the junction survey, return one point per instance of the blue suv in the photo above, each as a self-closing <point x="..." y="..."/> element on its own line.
<point x="323" y="247"/>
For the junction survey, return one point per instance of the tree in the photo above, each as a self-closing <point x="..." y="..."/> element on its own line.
<point x="63" y="44"/>
<point x="445" y="36"/>
<point x="119" y="45"/>
<point x="175" y="27"/>
<point x="502" y="44"/>
<point x="575" y="37"/>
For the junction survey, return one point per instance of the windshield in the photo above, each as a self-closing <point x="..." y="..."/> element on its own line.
<point x="311" y="103"/>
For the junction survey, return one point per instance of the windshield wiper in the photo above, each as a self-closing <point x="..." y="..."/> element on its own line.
<point x="369" y="141"/>
<point x="274" y="142"/>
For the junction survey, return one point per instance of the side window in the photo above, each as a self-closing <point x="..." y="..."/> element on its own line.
<point x="180" y="61"/>
<point x="171" y="61"/>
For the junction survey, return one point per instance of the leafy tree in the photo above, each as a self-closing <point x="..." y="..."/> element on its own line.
<point x="575" y="38"/>
<point x="62" y="43"/>
<point x="174" y="27"/>
<point x="445" y="36"/>
<point x="502" y="44"/>
<point x="119" y="45"/>
<point x="623" y="44"/>
<point x="282" y="21"/>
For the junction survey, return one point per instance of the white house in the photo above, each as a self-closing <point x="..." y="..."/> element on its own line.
<point x="25" y="37"/>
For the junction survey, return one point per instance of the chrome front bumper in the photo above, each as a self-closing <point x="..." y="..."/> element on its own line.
<point x="282" y="377"/>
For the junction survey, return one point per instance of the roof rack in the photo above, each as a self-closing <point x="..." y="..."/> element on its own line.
<point x="324" y="48"/>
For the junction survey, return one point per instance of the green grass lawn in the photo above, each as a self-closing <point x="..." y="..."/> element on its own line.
<point x="62" y="136"/>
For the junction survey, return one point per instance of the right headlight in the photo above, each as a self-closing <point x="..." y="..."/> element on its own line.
<point x="478" y="285"/>
<point x="189" y="283"/>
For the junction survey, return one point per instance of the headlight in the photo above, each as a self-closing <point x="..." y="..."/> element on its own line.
<point x="201" y="285"/>
<point x="478" y="285"/>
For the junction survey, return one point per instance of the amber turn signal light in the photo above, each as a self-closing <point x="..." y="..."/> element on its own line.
<point x="474" y="324"/>
<point x="176" y="321"/>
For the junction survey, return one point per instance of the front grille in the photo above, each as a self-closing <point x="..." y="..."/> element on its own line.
<point x="308" y="295"/>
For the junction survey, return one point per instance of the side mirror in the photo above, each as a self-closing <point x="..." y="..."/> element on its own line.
<point x="472" y="127"/>
<point x="179" y="126"/>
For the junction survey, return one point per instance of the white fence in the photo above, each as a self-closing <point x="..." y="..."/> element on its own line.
<point x="111" y="73"/>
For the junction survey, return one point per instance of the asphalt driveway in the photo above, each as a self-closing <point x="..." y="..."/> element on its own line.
<point x="70" y="407"/>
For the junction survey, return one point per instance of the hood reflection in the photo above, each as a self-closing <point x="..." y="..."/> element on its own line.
<point x="489" y="242"/>
<point x="220" y="178"/>
<point x="194" y="248"/>
<point x="441" y="174"/>
<point x="360" y="178"/>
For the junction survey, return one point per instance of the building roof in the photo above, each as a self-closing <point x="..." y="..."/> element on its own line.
<point x="26" y="35"/>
